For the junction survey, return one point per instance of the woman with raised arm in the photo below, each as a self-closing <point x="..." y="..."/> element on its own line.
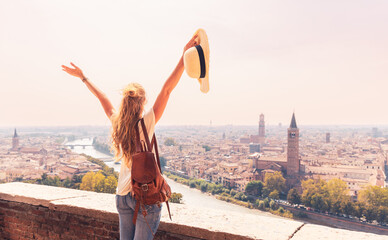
<point x="123" y="136"/>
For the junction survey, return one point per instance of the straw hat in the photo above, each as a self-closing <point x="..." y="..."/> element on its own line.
<point x="196" y="61"/>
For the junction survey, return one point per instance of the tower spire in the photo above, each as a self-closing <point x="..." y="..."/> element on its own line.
<point x="15" y="141"/>
<point x="293" y="121"/>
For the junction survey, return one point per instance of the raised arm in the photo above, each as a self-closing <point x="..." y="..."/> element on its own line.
<point x="171" y="82"/>
<point x="106" y="104"/>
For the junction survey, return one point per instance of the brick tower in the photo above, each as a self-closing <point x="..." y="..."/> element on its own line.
<point x="293" y="163"/>
<point x="261" y="129"/>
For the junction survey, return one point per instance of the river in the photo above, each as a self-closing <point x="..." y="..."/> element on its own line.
<point x="192" y="197"/>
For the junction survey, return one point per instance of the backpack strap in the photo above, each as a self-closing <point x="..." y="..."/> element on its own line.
<point x="137" y="138"/>
<point x="137" y="208"/>
<point x="168" y="208"/>
<point x="155" y="144"/>
<point x="145" y="133"/>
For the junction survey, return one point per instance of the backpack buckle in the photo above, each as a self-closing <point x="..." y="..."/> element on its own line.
<point x="144" y="187"/>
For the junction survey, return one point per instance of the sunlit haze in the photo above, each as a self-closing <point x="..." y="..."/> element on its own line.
<point x="325" y="60"/>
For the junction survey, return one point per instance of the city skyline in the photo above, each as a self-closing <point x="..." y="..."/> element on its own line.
<point x="324" y="61"/>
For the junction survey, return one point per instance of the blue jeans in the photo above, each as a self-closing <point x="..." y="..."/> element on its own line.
<point x="128" y="231"/>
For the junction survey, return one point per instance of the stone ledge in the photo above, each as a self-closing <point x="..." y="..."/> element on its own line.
<point x="102" y="206"/>
<point x="188" y="222"/>
<point x="36" y="194"/>
<point x="311" y="231"/>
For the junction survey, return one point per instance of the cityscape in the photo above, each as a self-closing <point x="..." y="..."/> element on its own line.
<point x="231" y="157"/>
<point x="355" y="156"/>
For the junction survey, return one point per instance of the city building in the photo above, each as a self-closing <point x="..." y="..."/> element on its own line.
<point x="288" y="164"/>
<point x="15" y="141"/>
<point x="260" y="137"/>
<point x="261" y="129"/>
<point x="293" y="161"/>
<point x="254" y="147"/>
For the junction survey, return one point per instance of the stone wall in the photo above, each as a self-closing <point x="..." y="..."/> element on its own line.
<point x="26" y="221"/>
<point x="29" y="211"/>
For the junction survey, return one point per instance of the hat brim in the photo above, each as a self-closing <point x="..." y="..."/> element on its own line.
<point x="203" y="41"/>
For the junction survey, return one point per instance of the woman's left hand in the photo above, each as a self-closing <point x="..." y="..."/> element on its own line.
<point x="192" y="43"/>
<point x="76" y="71"/>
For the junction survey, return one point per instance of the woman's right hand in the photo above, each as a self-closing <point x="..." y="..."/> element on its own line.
<point x="76" y="71"/>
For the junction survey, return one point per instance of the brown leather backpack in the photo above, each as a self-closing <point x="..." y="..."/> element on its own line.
<point x="148" y="185"/>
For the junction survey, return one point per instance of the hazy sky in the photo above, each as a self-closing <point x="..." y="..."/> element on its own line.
<point x="327" y="60"/>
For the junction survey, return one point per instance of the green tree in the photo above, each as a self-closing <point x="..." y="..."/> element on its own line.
<point x="110" y="184"/>
<point x="224" y="194"/>
<point x="203" y="186"/>
<point x="87" y="182"/>
<point x="67" y="183"/>
<point x="374" y="196"/>
<point x="274" y="181"/>
<point x="273" y="205"/>
<point x="254" y="188"/>
<point x="281" y="210"/>
<point x="44" y="176"/>
<point x="318" y="202"/>
<point x="241" y="196"/>
<point x="176" y="197"/>
<point x="293" y="196"/>
<point x="359" y="209"/>
<point x="375" y="200"/>
<point x="382" y="213"/>
<point x="98" y="182"/>
<point x="218" y="188"/>
<point x="314" y="193"/>
<point x="76" y="181"/>
<point x="260" y="204"/>
<point x="370" y="213"/>
<point x="266" y="202"/>
<point x="347" y="207"/>
<point x="274" y="194"/>
<point x="233" y="192"/>
<point x="192" y="184"/>
<point x="337" y="192"/>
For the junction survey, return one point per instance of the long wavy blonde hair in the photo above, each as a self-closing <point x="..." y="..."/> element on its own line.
<point x="123" y="123"/>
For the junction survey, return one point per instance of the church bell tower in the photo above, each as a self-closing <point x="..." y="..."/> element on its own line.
<point x="293" y="163"/>
<point x="15" y="141"/>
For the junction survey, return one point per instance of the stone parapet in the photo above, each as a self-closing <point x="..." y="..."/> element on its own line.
<point x="30" y="211"/>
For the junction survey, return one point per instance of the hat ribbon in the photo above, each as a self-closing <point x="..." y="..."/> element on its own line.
<point x="201" y="61"/>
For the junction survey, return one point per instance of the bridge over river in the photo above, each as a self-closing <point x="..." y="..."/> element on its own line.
<point x="85" y="145"/>
<point x="72" y="146"/>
